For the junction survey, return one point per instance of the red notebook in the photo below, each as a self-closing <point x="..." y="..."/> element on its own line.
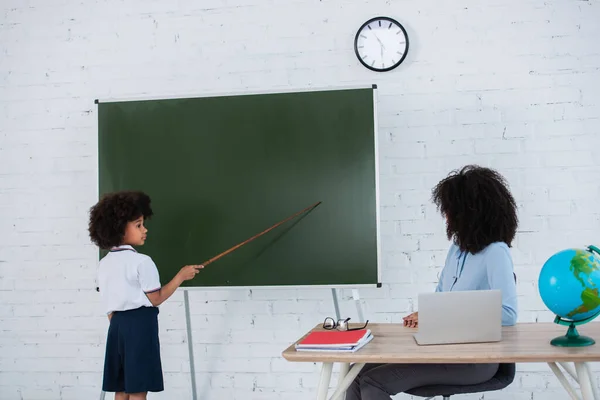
<point x="334" y="338"/>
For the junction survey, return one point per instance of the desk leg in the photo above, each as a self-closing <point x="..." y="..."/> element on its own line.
<point x="563" y="381"/>
<point x="571" y="370"/>
<point x="324" y="381"/>
<point x="588" y="367"/>
<point x="344" y="368"/>
<point x="585" y="381"/>
<point x="347" y="381"/>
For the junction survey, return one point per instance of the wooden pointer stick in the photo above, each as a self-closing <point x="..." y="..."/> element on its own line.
<point x="215" y="258"/>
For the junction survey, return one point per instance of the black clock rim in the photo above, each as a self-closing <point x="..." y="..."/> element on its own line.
<point x="356" y="44"/>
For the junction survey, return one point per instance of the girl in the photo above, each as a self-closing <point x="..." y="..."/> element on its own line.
<point x="131" y="293"/>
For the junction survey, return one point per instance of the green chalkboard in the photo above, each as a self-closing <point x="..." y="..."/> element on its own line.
<point x="221" y="169"/>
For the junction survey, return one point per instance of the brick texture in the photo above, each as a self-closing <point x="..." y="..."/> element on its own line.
<point x="511" y="84"/>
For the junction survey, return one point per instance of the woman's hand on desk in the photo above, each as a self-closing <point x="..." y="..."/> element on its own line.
<point x="412" y="320"/>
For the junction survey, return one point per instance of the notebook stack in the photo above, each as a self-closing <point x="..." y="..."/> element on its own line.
<point x="335" y="341"/>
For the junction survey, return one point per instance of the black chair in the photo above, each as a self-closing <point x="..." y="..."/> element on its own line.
<point x="504" y="377"/>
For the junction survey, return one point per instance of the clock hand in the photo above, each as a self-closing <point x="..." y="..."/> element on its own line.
<point x="380" y="42"/>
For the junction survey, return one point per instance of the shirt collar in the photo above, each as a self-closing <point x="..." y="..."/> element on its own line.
<point x="459" y="253"/>
<point x="122" y="248"/>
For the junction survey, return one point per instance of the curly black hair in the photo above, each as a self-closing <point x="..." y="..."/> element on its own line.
<point x="479" y="208"/>
<point x="109" y="217"/>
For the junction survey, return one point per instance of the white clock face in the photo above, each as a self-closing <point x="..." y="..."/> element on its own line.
<point x="381" y="44"/>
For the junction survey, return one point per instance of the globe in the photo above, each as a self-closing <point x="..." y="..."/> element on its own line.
<point x="569" y="285"/>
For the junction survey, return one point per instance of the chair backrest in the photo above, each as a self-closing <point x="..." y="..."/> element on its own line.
<point x="506" y="373"/>
<point x="503" y="377"/>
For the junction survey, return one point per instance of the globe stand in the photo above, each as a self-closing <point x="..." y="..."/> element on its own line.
<point x="572" y="338"/>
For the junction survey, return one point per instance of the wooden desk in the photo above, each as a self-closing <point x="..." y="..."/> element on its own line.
<point x="522" y="343"/>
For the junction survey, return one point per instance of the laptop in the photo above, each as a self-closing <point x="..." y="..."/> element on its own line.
<point x="473" y="316"/>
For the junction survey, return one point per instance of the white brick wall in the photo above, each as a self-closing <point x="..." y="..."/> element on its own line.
<point x="512" y="84"/>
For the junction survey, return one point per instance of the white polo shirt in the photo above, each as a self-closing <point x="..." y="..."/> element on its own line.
<point x="124" y="278"/>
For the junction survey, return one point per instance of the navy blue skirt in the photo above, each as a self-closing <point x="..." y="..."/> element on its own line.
<point x="132" y="361"/>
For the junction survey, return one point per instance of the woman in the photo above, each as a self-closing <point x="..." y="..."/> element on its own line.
<point x="481" y="221"/>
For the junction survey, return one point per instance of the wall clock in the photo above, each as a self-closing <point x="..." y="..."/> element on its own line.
<point x="381" y="44"/>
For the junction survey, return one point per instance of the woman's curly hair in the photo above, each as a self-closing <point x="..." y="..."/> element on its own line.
<point x="478" y="206"/>
<point x="109" y="217"/>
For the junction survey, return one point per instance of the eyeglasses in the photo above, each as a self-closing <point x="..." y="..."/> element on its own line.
<point x="341" y="324"/>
